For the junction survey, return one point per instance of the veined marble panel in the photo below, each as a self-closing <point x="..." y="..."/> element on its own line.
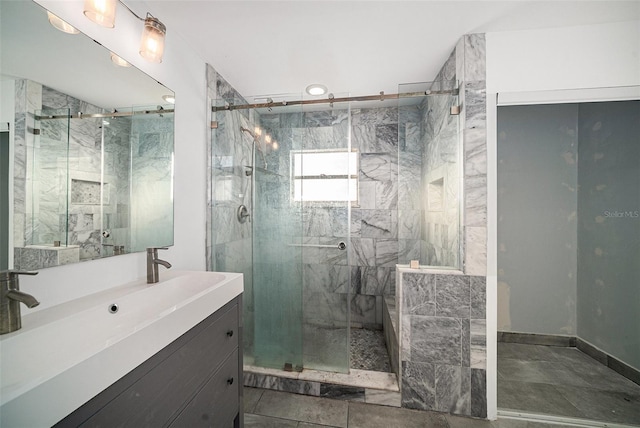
<point x="326" y="278"/>
<point x="409" y="249"/>
<point x="418" y="385"/>
<point x="375" y="167"/>
<point x="388" y="115"/>
<point x="478" y="297"/>
<point x="363" y="137"/>
<point x="379" y="224"/>
<point x="386" y="195"/>
<point x="478" y="340"/>
<point x="475" y="104"/>
<point x="436" y="340"/>
<point x="367" y="194"/>
<point x="386" y="252"/>
<point x="372" y="280"/>
<point x="476" y="251"/>
<point x="409" y="224"/>
<point x="363" y="252"/>
<point x="453" y="389"/>
<point x="453" y="296"/>
<point x="478" y="393"/>
<point x="419" y="294"/>
<point x="356" y="222"/>
<point x="363" y="310"/>
<point x="475" y="57"/>
<point x="386" y="139"/>
<point x="325" y="222"/>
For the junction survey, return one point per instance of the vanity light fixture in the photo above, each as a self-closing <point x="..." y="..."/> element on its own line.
<point x="119" y="61"/>
<point x="316" y="89"/>
<point x="103" y="12"/>
<point x="61" y="25"/>
<point x="152" y="43"/>
<point x="171" y="99"/>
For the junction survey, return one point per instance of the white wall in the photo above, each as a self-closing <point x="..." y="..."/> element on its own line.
<point x="592" y="56"/>
<point x="559" y="63"/>
<point x="183" y="72"/>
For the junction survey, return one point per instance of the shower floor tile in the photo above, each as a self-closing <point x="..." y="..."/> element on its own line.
<point x="368" y="350"/>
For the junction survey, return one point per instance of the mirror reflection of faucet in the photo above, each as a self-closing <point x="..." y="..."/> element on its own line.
<point x="10" y="299"/>
<point x="153" y="261"/>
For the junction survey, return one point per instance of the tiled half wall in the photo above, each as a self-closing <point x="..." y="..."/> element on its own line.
<point x="442" y="341"/>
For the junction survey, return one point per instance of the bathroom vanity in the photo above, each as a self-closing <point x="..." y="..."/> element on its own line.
<point x="167" y="354"/>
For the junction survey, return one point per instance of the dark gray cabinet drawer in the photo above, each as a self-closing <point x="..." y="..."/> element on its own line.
<point x="217" y="403"/>
<point x="156" y="397"/>
<point x="189" y="375"/>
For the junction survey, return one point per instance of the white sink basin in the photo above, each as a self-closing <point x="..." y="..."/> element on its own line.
<point x="65" y="355"/>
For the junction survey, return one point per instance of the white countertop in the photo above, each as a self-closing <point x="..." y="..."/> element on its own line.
<point x="65" y="355"/>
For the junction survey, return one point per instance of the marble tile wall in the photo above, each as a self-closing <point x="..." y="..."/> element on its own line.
<point x="443" y="342"/>
<point x="41" y="170"/>
<point x="375" y="220"/>
<point x="442" y="332"/>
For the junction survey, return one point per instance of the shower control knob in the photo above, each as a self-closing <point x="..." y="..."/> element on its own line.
<point x="230" y="333"/>
<point x="342" y="246"/>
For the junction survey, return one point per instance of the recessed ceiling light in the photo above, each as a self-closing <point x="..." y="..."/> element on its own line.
<point x="171" y="99"/>
<point x="61" y="25"/>
<point x="316" y="89"/>
<point x="119" y="61"/>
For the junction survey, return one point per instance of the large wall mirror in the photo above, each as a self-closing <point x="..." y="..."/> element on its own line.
<point x="86" y="147"/>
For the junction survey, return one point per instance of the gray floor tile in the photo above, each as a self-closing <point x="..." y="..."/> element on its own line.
<point x="258" y="421"/>
<point x="526" y="352"/>
<point x="460" y="422"/>
<point x="604" y="405"/>
<point x="372" y="416"/>
<point x="251" y="397"/>
<point x="598" y="376"/>
<point x="534" y="397"/>
<point x="550" y="372"/>
<point x="303" y="408"/>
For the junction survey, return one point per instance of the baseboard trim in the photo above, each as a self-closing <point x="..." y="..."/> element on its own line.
<point x="597" y="354"/>
<point x="537" y="339"/>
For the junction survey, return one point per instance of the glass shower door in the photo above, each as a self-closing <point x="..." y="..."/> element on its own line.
<point x="277" y="286"/>
<point x="325" y="174"/>
<point x="47" y="201"/>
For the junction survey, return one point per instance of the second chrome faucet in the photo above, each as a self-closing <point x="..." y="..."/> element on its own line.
<point x="152" y="264"/>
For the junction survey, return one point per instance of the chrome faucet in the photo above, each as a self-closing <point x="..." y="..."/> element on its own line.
<point x="10" y="298"/>
<point x="152" y="264"/>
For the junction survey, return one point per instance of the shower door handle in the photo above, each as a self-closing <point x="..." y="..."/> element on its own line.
<point x="340" y="245"/>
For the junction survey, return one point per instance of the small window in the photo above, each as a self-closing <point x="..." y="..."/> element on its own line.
<point x="324" y="176"/>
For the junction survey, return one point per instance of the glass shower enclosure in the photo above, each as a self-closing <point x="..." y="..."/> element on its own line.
<point x="283" y="181"/>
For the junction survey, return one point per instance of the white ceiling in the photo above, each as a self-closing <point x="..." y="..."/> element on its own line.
<point x="353" y="47"/>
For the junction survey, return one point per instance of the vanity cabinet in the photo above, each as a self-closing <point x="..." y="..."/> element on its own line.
<point x="196" y="381"/>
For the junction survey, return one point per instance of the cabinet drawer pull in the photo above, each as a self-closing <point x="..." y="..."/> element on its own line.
<point x="230" y="381"/>
<point x="230" y="333"/>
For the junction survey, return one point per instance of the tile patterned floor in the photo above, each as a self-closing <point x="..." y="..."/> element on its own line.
<point x="273" y="409"/>
<point x="368" y="350"/>
<point x="564" y="382"/>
